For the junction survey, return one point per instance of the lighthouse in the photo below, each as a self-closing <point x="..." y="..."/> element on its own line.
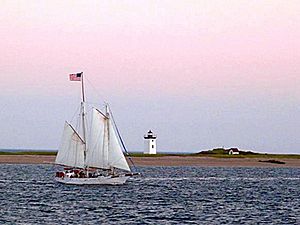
<point x="150" y="143"/>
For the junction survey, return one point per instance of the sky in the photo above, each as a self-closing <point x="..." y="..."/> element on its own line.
<point x="200" y="74"/>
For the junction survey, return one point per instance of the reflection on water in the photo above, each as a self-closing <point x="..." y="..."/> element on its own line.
<point x="164" y="195"/>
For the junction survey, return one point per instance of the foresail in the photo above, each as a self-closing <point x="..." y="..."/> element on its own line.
<point x="71" y="150"/>
<point x="116" y="157"/>
<point x="97" y="153"/>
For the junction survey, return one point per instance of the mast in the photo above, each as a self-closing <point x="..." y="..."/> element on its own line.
<point x="83" y="108"/>
<point x="83" y="113"/>
<point x="108" y="131"/>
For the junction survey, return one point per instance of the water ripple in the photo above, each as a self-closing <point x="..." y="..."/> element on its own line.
<point x="164" y="195"/>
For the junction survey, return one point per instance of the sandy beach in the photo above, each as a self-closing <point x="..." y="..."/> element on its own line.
<point x="165" y="161"/>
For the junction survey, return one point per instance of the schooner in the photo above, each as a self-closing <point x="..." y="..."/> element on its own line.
<point x="100" y="160"/>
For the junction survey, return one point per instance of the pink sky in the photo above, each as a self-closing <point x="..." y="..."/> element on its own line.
<point x="168" y="49"/>
<point x="172" y="46"/>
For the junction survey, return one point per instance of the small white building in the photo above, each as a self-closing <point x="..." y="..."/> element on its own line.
<point x="233" y="151"/>
<point x="150" y="143"/>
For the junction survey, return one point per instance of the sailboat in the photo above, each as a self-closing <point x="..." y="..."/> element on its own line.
<point x="101" y="160"/>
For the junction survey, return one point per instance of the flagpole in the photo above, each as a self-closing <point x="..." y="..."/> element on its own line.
<point x="82" y="88"/>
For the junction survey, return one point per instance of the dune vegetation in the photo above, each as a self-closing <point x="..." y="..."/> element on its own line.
<point x="218" y="153"/>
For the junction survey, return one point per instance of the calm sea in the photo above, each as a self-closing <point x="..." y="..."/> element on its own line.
<point x="164" y="195"/>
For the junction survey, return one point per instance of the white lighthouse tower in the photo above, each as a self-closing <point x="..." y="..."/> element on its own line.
<point x="150" y="143"/>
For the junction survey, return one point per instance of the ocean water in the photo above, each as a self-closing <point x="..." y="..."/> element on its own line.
<point x="163" y="195"/>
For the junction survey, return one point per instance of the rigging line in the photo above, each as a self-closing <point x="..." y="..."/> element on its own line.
<point x="78" y="121"/>
<point x="127" y="153"/>
<point x="94" y="88"/>
<point x="87" y="119"/>
<point x="93" y="104"/>
<point x="76" y="112"/>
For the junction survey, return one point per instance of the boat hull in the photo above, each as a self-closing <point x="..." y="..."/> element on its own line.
<point x="102" y="180"/>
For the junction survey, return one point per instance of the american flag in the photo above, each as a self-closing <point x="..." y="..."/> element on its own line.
<point x="75" y="76"/>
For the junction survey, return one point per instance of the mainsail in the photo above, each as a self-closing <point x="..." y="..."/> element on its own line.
<point x="71" y="150"/>
<point x="104" y="150"/>
<point x="97" y="154"/>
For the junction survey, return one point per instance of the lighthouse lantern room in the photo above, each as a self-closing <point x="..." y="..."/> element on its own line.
<point x="150" y="143"/>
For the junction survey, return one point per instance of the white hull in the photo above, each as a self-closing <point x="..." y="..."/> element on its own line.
<point x="94" y="181"/>
<point x="101" y="180"/>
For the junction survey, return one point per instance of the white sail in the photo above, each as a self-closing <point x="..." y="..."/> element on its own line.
<point x="116" y="157"/>
<point x="71" y="150"/>
<point x="97" y="154"/>
<point x="101" y="150"/>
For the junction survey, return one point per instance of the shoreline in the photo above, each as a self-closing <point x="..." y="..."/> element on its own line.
<point x="168" y="161"/>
